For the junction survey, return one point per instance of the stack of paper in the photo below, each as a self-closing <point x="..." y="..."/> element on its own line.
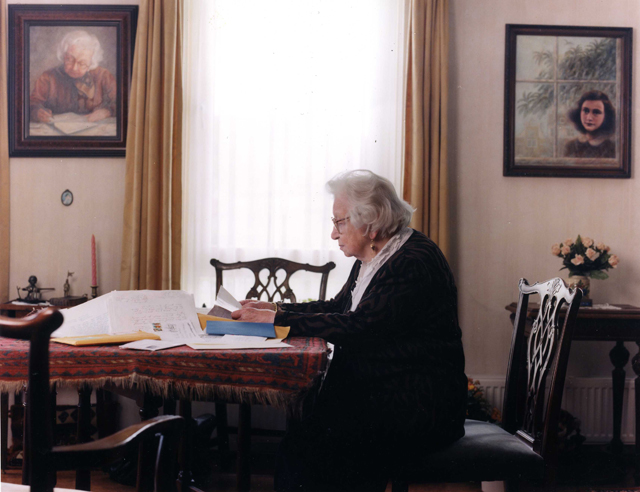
<point x="130" y="315"/>
<point x="152" y="320"/>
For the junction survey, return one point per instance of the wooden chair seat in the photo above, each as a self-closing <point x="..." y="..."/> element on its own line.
<point x="486" y="453"/>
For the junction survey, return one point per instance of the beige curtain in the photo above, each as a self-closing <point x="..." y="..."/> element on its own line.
<point x="4" y="160"/>
<point x="425" y="167"/>
<point x="153" y="194"/>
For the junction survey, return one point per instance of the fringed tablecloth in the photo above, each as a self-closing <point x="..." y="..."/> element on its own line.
<point x="278" y="377"/>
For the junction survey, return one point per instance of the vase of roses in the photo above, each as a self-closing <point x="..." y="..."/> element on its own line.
<point x="585" y="260"/>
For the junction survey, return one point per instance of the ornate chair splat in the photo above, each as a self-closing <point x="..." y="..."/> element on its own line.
<point x="272" y="286"/>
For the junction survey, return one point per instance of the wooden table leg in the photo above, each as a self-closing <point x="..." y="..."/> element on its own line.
<point x="4" y="429"/>
<point x="635" y="363"/>
<point x="619" y="356"/>
<point x="83" y="477"/>
<point x="222" y="435"/>
<point x="243" y="473"/>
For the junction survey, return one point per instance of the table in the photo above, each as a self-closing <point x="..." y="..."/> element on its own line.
<point x="619" y="324"/>
<point x="11" y="310"/>
<point x="278" y="377"/>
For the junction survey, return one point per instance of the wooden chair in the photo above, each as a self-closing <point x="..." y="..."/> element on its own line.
<point x="274" y="266"/>
<point x="42" y="459"/>
<point x="272" y="287"/>
<point x="525" y="447"/>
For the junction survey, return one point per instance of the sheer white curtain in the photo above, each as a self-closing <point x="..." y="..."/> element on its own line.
<point x="279" y="97"/>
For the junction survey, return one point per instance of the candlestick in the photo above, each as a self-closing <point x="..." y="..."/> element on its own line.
<point x="94" y="277"/>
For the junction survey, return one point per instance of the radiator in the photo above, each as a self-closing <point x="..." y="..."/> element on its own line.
<point x="588" y="399"/>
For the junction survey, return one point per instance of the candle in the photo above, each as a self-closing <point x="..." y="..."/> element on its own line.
<point x="94" y="279"/>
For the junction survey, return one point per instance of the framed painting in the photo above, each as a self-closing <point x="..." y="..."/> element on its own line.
<point x="567" y="101"/>
<point x="69" y="79"/>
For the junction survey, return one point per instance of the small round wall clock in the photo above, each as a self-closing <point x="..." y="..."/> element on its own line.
<point x="66" y="198"/>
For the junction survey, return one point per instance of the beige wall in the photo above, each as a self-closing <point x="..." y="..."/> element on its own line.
<point x="49" y="239"/>
<point x="504" y="227"/>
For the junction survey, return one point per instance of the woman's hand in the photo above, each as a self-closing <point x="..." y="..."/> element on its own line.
<point x="99" y="114"/>
<point x="254" y="315"/>
<point x="257" y="304"/>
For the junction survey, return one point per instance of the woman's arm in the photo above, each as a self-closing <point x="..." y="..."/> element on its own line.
<point x="335" y="305"/>
<point x="413" y="291"/>
<point x="258" y="311"/>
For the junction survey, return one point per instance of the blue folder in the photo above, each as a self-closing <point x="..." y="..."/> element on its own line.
<point x="241" y="328"/>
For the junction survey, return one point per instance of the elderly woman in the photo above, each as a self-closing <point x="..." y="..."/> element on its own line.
<point x="79" y="85"/>
<point x="396" y="385"/>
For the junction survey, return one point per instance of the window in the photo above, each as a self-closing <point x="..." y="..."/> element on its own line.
<point x="279" y="97"/>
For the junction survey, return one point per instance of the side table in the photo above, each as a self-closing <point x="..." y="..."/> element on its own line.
<point x="614" y="323"/>
<point x="11" y="310"/>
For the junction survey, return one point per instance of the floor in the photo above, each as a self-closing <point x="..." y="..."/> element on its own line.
<point x="590" y="468"/>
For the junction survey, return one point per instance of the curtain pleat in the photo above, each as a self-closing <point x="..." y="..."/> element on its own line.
<point x="4" y="160"/>
<point x="151" y="245"/>
<point x="425" y="165"/>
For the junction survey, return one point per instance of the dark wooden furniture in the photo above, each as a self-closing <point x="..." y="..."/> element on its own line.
<point x="525" y="447"/>
<point x="271" y="288"/>
<point x="619" y="323"/>
<point x="279" y="377"/>
<point x="42" y="459"/>
<point x="11" y="310"/>
<point x="274" y="266"/>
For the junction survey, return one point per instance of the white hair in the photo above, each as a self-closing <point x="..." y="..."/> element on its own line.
<point x="373" y="202"/>
<point x="83" y="40"/>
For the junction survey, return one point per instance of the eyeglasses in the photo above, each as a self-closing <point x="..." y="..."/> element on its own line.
<point x="339" y="224"/>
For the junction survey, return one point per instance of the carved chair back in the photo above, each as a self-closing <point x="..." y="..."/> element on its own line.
<point x="42" y="459"/>
<point x="276" y="283"/>
<point x="538" y="363"/>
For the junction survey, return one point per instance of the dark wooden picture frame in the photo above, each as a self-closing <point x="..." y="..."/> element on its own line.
<point x="69" y="79"/>
<point x="567" y="108"/>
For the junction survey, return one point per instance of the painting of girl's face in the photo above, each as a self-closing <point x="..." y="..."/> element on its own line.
<point x="592" y="115"/>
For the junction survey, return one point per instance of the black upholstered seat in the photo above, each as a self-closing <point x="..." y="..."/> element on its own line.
<point x="485" y="451"/>
<point x="525" y="447"/>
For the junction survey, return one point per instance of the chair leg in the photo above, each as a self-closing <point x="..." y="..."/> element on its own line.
<point x="398" y="485"/>
<point x="222" y="431"/>
<point x="512" y="485"/>
<point x="243" y="463"/>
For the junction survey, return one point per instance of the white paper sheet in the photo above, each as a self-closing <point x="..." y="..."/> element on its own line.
<point x="174" y="330"/>
<point x="130" y="311"/>
<point x="88" y="318"/>
<point x="213" y="342"/>
<point x="151" y="345"/>
<point x="225" y="304"/>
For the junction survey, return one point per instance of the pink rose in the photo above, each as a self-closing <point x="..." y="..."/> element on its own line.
<point x="592" y="254"/>
<point x="568" y="242"/>
<point x="578" y="260"/>
<point x="607" y="249"/>
<point x="601" y="246"/>
<point x="565" y="250"/>
<point x="613" y="261"/>
<point x="587" y="241"/>
<point x="555" y="250"/>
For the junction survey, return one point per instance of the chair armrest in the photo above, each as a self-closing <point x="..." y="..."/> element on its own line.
<point x="111" y="448"/>
<point x="45" y="322"/>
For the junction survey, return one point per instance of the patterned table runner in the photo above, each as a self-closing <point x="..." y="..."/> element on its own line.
<point x="278" y="377"/>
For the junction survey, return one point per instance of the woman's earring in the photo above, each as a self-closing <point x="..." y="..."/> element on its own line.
<point x="373" y="246"/>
